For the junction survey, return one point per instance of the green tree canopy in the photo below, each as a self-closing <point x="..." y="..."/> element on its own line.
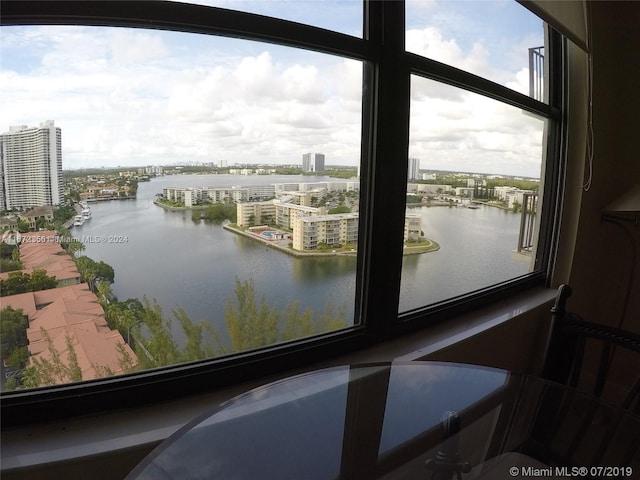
<point x="21" y="282"/>
<point x="340" y="209"/>
<point x="13" y="330"/>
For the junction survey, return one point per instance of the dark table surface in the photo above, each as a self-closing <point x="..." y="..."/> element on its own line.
<point x="399" y="420"/>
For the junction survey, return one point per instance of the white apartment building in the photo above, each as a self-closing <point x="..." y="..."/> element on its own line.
<point x="218" y="194"/>
<point x="255" y="213"/>
<point x="510" y="195"/>
<point x="31" y="166"/>
<point x="186" y="196"/>
<point x="153" y="170"/>
<point x="464" y="192"/>
<point x="336" y="230"/>
<point x="336" y="186"/>
<point x="412" y="226"/>
<point x="303" y="198"/>
<point x="340" y="229"/>
<point x="428" y="188"/>
<point x="286" y="213"/>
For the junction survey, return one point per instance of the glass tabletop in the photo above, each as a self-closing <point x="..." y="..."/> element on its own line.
<point x="396" y="420"/>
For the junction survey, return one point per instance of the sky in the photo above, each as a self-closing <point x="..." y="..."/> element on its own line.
<point x="133" y="97"/>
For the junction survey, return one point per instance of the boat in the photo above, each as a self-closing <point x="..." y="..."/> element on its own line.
<point x="86" y="213"/>
<point x="78" y="220"/>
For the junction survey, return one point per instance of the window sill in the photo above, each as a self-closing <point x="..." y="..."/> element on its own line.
<point x="116" y="439"/>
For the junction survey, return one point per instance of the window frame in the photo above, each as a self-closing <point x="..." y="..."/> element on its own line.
<point x="387" y="67"/>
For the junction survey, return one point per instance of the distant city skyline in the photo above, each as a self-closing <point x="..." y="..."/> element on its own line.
<point x="142" y="97"/>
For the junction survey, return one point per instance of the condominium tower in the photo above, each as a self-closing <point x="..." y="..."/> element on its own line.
<point x="313" y="162"/>
<point x="414" y="169"/>
<point x="31" y="166"/>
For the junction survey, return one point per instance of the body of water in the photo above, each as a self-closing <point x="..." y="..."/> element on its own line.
<point x="165" y="256"/>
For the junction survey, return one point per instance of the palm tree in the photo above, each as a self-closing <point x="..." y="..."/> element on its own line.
<point x="88" y="271"/>
<point x="75" y="246"/>
<point x="103" y="290"/>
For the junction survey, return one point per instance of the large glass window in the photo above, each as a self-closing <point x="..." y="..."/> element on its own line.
<point x="219" y="177"/>
<point x="474" y="180"/>
<point x="241" y="188"/>
<point x="500" y="41"/>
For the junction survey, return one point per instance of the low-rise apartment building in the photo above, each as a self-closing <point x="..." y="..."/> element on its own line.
<point x="333" y="230"/>
<point x="412" y="227"/>
<point x="286" y="213"/>
<point x="190" y="196"/>
<point x="45" y="212"/>
<point x="341" y="229"/>
<point x="255" y="213"/>
<point x="71" y="316"/>
<point x="511" y="195"/>
<point x="42" y="251"/>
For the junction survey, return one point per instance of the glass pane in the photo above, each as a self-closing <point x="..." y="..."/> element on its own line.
<point x="495" y="39"/>
<point x="184" y="168"/>
<point x="343" y="16"/>
<point x="472" y="193"/>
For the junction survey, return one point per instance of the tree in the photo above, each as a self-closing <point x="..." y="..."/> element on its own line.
<point x="44" y="372"/>
<point x="92" y="272"/>
<point x="73" y="246"/>
<point x="6" y="251"/>
<point x="104" y="292"/>
<point x="73" y="196"/>
<point x="16" y="282"/>
<point x="202" y="339"/>
<point x="13" y="331"/>
<point x="21" y="282"/>
<point x="87" y="269"/>
<point x="297" y="324"/>
<point x="104" y="271"/>
<point x="158" y="347"/>
<point x="41" y="281"/>
<point x="340" y="209"/>
<point x="517" y="207"/>
<point x="250" y="325"/>
<point x="18" y="358"/>
<point x="10" y="265"/>
<point x="22" y="226"/>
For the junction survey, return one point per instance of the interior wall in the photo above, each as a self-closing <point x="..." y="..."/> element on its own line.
<point x="603" y="254"/>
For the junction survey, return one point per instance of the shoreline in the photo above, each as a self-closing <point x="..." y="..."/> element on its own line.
<point x="431" y="247"/>
<point x="179" y="209"/>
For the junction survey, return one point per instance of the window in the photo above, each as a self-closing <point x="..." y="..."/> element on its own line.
<point x="499" y="41"/>
<point x="359" y="121"/>
<point x="483" y="161"/>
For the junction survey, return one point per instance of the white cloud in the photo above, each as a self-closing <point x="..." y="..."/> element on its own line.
<point x="469" y="132"/>
<point x="130" y="97"/>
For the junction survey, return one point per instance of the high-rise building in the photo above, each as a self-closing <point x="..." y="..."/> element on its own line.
<point x="313" y="162"/>
<point x="414" y="169"/>
<point x="31" y="166"/>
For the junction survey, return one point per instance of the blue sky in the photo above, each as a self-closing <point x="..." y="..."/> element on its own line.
<point x="133" y="97"/>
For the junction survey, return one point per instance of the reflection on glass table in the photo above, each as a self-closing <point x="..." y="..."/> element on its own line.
<point x="401" y="420"/>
